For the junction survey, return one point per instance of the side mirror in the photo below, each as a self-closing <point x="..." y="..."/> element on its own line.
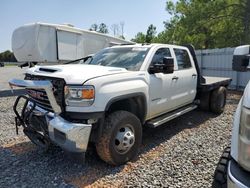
<point x="241" y="58"/>
<point x="169" y="65"/>
<point x="166" y="67"/>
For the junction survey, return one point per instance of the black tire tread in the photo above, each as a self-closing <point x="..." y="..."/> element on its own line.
<point x="214" y="107"/>
<point x="102" y="146"/>
<point x="204" y="102"/>
<point x="220" y="174"/>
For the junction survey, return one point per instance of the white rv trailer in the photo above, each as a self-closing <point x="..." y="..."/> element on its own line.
<point x="54" y="43"/>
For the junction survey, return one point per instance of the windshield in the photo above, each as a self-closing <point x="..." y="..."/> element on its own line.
<point x="129" y="58"/>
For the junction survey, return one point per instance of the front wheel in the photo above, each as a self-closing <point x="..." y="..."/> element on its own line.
<point x="120" y="139"/>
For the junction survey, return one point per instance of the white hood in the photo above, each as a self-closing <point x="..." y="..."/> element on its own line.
<point x="76" y="73"/>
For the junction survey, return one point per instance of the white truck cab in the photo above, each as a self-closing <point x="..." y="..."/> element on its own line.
<point x="233" y="170"/>
<point x="112" y="95"/>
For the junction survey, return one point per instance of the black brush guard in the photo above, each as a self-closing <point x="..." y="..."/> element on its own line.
<point x="38" y="135"/>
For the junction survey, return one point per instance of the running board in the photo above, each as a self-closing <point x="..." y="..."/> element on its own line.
<point x="171" y="115"/>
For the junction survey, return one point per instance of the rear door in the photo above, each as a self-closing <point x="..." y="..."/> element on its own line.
<point x="186" y="78"/>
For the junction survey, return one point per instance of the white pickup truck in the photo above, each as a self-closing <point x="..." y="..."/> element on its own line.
<point x="233" y="169"/>
<point x="110" y="97"/>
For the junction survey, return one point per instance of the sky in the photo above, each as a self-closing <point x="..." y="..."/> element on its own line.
<point x="136" y="14"/>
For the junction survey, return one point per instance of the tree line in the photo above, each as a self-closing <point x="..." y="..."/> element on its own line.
<point x="7" y="56"/>
<point x="203" y="23"/>
<point x="116" y="29"/>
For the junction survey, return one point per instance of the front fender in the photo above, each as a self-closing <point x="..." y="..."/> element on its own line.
<point x="115" y="87"/>
<point x="127" y="96"/>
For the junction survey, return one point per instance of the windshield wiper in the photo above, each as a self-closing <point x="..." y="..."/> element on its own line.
<point x="83" y="58"/>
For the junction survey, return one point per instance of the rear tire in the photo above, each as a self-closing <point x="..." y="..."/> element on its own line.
<point x="120" y="139"/>
<point x="220" y="174"/>
<point x="218" y="100"/>
<point x="204" y="101"/>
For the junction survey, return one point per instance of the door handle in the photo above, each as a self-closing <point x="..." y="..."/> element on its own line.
<point x="194" y="75"/>
<point x="175" y="78"/>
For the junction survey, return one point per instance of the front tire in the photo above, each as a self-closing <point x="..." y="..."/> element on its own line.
<point x="120" y="139"/>
<point x="220" y="174"/>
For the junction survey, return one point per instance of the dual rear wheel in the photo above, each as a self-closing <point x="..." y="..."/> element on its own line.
<point x="214" y="101"/>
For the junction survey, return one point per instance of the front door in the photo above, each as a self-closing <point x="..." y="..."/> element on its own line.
<point x="160" y="86"/>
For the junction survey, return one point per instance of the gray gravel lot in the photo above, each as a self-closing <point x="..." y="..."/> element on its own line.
<point x="183" y="153"/>
<point x="8" y="72"/>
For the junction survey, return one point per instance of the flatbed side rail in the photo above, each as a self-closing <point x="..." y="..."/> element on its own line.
<point x="214" y="84"/>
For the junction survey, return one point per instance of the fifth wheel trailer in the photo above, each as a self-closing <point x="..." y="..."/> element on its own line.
<point x="54" y="43"/>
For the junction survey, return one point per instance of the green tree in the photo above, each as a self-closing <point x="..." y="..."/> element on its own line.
<point x="151" y="32"/>
<point x="94" y="27"/>
<point x="103" y="28"/>
<point x="139" y="38"/>
<point x="207" y="23"/>
<point x="7" y="56"/>
<point x="149" y="37"/>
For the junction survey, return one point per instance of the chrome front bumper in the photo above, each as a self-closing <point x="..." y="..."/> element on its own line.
<point x="234" y="182"/>
<point x="72" y="137"/>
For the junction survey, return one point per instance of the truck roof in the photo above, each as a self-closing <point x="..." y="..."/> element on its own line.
<point x="148" y="45"/>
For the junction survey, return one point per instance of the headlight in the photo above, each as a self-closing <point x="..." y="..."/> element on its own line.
<point x="244" y="138"/>
<point x="79" y="95"/>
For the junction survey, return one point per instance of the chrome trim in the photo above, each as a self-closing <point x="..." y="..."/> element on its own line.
<point x="232" y="182"/>
<point x="173" y="116"/>
<point x="43" y="84"/>
<point x="76" y="134"/>
<point x="40" y="111"/>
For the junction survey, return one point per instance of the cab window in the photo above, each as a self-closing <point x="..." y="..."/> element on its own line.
<point x="160" y="54"/>
<point x="182" y="59"/>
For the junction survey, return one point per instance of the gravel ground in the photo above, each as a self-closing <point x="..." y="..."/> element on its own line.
<point x="183" y="153"/>
<point x="9" y="72"/>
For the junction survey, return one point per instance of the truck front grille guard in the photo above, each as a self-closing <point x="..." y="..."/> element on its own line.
<point x="58" y="91"/>
<point x="24" y="118"/>
<point x="43" y="84"/>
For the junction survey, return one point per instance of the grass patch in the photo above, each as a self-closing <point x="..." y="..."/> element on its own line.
<point x="10" y="65"/>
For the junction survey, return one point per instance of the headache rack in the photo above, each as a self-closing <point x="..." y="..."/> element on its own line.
<point x="39" y="95"/>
